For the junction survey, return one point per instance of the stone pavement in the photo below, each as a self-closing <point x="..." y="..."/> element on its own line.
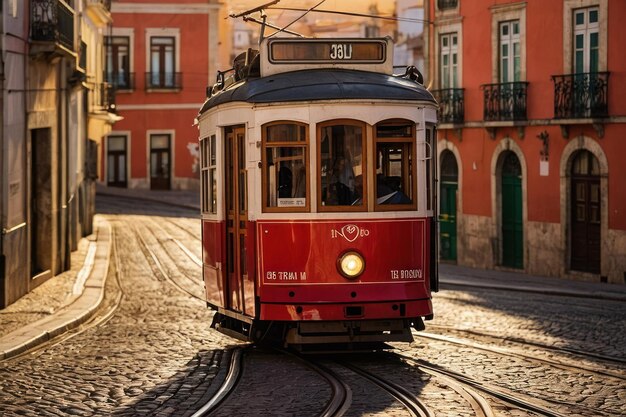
<point x="69" y="299"/>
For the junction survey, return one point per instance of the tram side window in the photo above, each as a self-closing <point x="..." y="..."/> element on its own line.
<point x="395" y="168"/>
<point x="208" y="167"/>
<point x="341" y="170"/>
<point x="431" y="151"/>
<point x="285" y="184"/>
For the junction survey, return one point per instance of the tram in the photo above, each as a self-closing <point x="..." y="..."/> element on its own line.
<point x="318" y="194"/>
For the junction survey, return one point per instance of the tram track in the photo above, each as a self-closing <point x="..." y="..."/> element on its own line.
<point x="227" y="387"/>
<point x="522" y="401"/>
<point x="414" y="405"/>
<point x="156" y="264"/>
<point x="520" y="355"/>
<point x="556" y="349"/>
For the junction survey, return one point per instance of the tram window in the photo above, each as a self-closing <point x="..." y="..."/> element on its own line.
<point x="431" y="142"/>
<point x="285" y="167"/>
<point x="395" y="171"/>
<point x="208" y="179"/>
<point x="341" y="166"/>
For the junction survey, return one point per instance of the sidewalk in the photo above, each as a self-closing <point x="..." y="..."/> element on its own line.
<point x="454" y="276"/>
<point x="64" y="301"/>
<point x="71" y="298"/>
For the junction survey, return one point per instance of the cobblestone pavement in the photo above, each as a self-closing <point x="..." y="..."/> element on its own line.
<point x="150" y="351"/>
<point x="155" y="354"/>
<point x="574" y="324"/>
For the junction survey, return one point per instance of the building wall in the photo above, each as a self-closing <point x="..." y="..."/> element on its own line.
<point x="546" y="179"/>
<point x="44" y="133"/>
<point x="194" y="26"/>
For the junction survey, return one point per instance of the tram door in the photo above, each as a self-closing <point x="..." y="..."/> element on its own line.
<point x="237" y="218"/>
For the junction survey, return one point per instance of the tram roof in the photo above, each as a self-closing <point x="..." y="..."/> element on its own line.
<point x="321" y="84"/>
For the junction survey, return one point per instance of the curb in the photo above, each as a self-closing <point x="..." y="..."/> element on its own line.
<point x="72" y="315"/>
<point x="536" y="290"/>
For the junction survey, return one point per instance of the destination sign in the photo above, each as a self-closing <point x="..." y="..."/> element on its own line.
<point x="327" y="51"/>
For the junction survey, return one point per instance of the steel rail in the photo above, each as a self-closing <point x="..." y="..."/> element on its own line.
<point x="415" y="406"/>
<point x="341" y="399"/>
<point x="557" y="349"/>
<point x="499" y="393"/>
<point x="519" y="355"/>
<point x="160" y="268"/>
<point x="230" y="382"/>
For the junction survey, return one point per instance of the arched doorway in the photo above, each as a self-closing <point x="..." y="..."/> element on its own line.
<point x="585" y="215"/>
<point x="512" y="215"/>
<point x="448" y="206"/>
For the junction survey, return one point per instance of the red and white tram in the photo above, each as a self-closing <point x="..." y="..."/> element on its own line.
<point x="318" y="194"/>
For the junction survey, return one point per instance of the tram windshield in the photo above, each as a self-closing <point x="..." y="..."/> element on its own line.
<point x="342" y="165"/>
<point x="343" y="171"/>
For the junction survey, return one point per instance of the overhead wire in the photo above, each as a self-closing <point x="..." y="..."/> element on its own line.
<point x="373" y="16"/>
<point x="298" y="18"/>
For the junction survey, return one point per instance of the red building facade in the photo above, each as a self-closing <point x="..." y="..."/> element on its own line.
<point x="160" y="56"/>
<point x="532" y="134"/>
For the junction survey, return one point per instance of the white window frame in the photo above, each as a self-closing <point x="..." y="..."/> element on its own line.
<point x="163" y="32"/>
<point x="449" y="26"/>
<point x="449" y="76"/>
<point x="127" y="135"/>
<point x="500" y="14"/>
<point x="585" y="30"/>
<point x="172" y="135"/>
<point x="508" y="42"/>
<point x="569" y="6"/>
<point x="130" y="33"/>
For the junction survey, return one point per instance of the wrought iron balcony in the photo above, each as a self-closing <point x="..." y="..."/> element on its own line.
<point x="107" y="97"/>
<point x="447" y="4"/>
<point x="52" y="21"/>
<point x="582" y="95"/>
<point x="505" y="101"/>
<point x="103" y="98"/>
<point x="451" y="108"/>
<point x="164" y="80"/>
<point x="121" y="80"/>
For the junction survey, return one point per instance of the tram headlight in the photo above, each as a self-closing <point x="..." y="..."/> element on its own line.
<point x="351" y="264"/>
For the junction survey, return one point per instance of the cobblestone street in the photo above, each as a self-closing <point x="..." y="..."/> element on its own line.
<point x="149" y="349"/>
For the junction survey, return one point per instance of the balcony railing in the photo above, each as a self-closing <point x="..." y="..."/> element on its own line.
<point x="103" y="97"/>
<point x="447" y="4"/>
<point x="164" y="80"/>
<point x="582" y="95"/>
<point x="505" y="101"/>
<point x="107" y="97"/>
<point x="451" y="108"/>
<point x="52" y="21"/>
<point x="121" y="80"/>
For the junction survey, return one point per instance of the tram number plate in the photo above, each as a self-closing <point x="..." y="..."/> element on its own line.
<point x="340" y="51"/>
<point x="406" y="274"/>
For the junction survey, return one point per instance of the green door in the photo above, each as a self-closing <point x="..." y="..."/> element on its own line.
<point x="447" y="217"/>
<point x="512" y="223"/>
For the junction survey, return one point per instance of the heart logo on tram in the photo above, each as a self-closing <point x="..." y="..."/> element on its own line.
<point x="350" y="232"/>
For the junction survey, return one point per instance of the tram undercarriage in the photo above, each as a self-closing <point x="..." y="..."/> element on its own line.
<point x="318" y="332"/>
